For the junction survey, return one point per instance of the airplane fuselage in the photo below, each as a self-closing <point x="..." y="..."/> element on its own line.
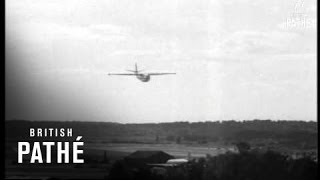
<point x="143" y="77"/>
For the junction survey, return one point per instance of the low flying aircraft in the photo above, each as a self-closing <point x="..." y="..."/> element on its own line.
<point x="144" y="77"/>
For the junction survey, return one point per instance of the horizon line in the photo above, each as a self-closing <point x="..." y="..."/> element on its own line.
<point x="206" y="121"/>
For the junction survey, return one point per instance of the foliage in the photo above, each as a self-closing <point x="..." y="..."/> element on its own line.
<point x="249" y="165"/>
<point x="260" y="166"/>
<point x="243" y="147"/>
<point x="291" y="134"/>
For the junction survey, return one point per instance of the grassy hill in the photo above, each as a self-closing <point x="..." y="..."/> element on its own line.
<point x="291" y="134"/>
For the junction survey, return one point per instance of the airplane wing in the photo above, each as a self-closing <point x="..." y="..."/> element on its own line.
<point x="154" y="74"/>
<point x="122" y="74"/>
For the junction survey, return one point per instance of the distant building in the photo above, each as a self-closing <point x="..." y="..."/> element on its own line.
<point x="140" y="158"/>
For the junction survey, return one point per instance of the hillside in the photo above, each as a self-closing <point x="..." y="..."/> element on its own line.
<point x="289" y="134"/>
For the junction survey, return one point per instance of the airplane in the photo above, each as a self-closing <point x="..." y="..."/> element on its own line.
<point x="144" y="77"/>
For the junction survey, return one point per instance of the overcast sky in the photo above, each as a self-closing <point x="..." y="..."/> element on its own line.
<point x="235" y="59"/>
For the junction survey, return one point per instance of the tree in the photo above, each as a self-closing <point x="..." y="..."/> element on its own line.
<point x="105" y="158"/>
<point x="178" y="140"/>
<point x="243" y="147"/>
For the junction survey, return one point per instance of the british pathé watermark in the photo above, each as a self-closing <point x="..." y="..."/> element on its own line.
<point x="60" y="149"/>
<point x="299" y="19"/>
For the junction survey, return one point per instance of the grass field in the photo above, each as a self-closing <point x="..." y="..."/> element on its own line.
<point x="94" y="154"/>
<point x="95" y="166"/>
<point x="177" y="150"/>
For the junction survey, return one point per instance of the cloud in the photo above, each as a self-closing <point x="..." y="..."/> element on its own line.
<point x="46" y="32"/>
<point x="110" y="29"/>
<point x="264" y="43"/>
<point x="221" y="51"/>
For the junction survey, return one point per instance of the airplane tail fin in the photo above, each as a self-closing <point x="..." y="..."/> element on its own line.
<point x="136" y="66"/>
<point x="136" y="69"/>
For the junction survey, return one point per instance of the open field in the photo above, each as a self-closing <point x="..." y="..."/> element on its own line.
<point x="60" y="172"/>
<point x="94" y="154"/>
<point x="177" y="150"/>
<point x="105" y="143"/>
